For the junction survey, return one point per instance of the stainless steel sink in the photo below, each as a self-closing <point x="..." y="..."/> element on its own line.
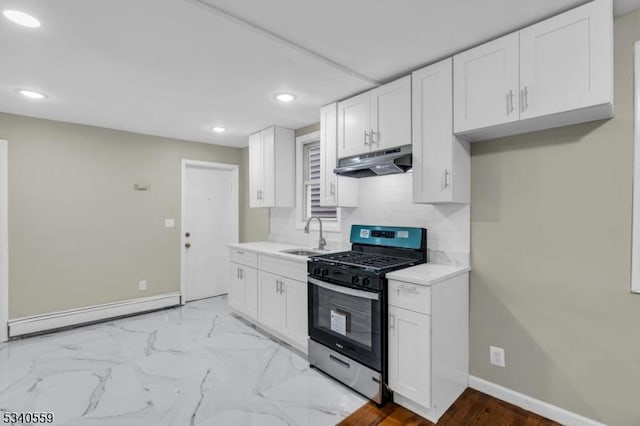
<point x="300" y="252"/>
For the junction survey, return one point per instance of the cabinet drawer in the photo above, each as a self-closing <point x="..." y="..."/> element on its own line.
<point x="414" y="297"/>
<point x="243" y="257"/>
<point x="283" y="267"/>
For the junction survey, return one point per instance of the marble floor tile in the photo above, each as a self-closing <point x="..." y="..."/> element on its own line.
<point x="192" y="365"/>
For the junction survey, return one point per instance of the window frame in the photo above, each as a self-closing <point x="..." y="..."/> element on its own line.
<point x="328" y="225"/>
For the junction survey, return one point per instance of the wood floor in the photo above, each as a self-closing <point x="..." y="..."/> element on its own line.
<point x="472" y="408"/>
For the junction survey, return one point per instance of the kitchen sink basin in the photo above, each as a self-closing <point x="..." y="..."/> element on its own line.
<point x="300" y="252"/>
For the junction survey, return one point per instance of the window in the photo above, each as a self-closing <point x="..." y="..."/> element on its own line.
<point x="311" y="184"/>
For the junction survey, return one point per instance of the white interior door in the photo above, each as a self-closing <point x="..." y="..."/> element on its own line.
<point x="210" y="222"/>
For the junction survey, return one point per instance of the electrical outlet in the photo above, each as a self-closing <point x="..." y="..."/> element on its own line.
<point x="496" y="356"/>
<point x="142" y="285"/>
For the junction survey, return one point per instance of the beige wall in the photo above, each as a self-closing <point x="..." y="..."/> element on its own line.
<point x="308" y="129"/>
<point x="79" y="234"/>
<point x="550" y="245"/>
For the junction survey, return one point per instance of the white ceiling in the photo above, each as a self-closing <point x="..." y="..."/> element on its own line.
<point x="176" y="68"/>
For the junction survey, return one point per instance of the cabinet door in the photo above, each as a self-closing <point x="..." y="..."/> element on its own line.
<point x="268" y="141"/>
<point x="270" y="301"/>
<point x="236" y="288"/>
<point x="353" y="126"/>
<point x="328" y="154"/>
<point x="338" y="191"/>
<point x="432" y="132"/>
<point x="391" y="114"/>
<point x="410" y="355"/>
<point x="486" y="84"/>
<point x="249" y="278"/>
<point x="256" y="170"/>
<point x="566" y="61"/>
<point x="295" y="323"/>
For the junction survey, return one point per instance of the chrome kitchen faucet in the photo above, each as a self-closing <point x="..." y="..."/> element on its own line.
<point x="321" y="241"/>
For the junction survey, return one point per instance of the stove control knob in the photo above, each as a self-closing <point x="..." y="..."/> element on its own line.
<point x="355" y="279"/>
<point x="365" y="282"/>
<point x="325" y="272"/>
<point x="316" y="271"/>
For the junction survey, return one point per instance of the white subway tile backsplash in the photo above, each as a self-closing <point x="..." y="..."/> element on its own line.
<point x="387" y="200"/>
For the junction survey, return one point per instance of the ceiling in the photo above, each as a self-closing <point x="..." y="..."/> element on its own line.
<point x="176" y="68"/>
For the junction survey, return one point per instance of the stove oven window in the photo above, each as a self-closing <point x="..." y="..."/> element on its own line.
<point x="345" y="316"/>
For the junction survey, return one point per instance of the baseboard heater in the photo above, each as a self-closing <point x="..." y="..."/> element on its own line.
<point x="37" y="324"/>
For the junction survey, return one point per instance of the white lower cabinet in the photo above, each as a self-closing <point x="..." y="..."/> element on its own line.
<point x="410" y="354"/>
<point x="295" y="312"/>
<point x="283" y="307"/>
<point x="272" y="296"/>
<point x="243" y="289"/>
<point x="428" y="344"/>
<point x="270" y="301"/>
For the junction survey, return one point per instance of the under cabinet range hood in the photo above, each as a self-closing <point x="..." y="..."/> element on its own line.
<point x="376" y="163"/>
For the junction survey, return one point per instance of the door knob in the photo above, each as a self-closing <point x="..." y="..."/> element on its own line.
<point x="188" y="234"/>
<point x="187" y="245"/>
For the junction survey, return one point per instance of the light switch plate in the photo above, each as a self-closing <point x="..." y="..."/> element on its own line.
<point x="169" y="223"/>
<point x="142" y="285"/>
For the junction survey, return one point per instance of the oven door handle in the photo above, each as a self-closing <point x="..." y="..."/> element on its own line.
<point x="345" y="290"/>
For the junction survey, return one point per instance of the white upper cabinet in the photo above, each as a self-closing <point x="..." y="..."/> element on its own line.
<point x="256" y="170"/>
<point x="566" y="62"/>
<point x="553" y="73"/>
<point x="335" y="190"/>
<point x="440" y="159"/>
<point x="487" y="84"/>
<point x="391" y="114"/>
<point x="271" y="168"/>
<point x="353" y="125"/>
<point x="378" y="119"/>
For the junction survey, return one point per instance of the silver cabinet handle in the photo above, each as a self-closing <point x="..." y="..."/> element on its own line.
<point x="241" y="274"/>
<point x="277" y="286"/>
<point x="366" y="137"/>
<point x="446" y="178"/>
<point x="506" y="97"/>
<point x="510" y="100"/>
<point x="411" y="289"/>
<point x="392" y="322"/>
<point x="526" y="98"/>
<point x="371" y="141"/>
<point x="238" y="273"/>
<point x="521" y="100"/>
<point x="332" y="189"/>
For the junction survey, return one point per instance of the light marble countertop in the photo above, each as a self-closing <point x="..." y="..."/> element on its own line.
<point x="275" y="249"/>
<point x="427" y="273"/>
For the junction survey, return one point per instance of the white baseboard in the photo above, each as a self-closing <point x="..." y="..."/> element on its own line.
<point x="537" y="406"/>
<point x="71" y="317"/>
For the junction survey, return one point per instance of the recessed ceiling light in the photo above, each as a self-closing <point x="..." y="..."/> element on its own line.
<point x="219" y="129"/>
<point x="285" y="97"/>
<point x="31" y="94"/>
<point x="21" y="18"/>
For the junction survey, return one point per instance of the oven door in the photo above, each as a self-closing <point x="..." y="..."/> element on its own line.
<point x="347" y="320"/>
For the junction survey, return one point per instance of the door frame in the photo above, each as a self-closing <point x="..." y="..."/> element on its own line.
<point x="235" y="206"/>
<point x="4" y="242"/>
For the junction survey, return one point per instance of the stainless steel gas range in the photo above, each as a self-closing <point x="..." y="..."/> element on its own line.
<point x="348" y="305"/>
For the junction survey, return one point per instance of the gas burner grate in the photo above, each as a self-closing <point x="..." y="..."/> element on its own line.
<point x="365" y="260"/>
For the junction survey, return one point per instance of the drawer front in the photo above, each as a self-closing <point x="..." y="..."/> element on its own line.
<point x="283" y="267"/>
<point x="414" y="297"/>
<point x="243" y="257"/>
